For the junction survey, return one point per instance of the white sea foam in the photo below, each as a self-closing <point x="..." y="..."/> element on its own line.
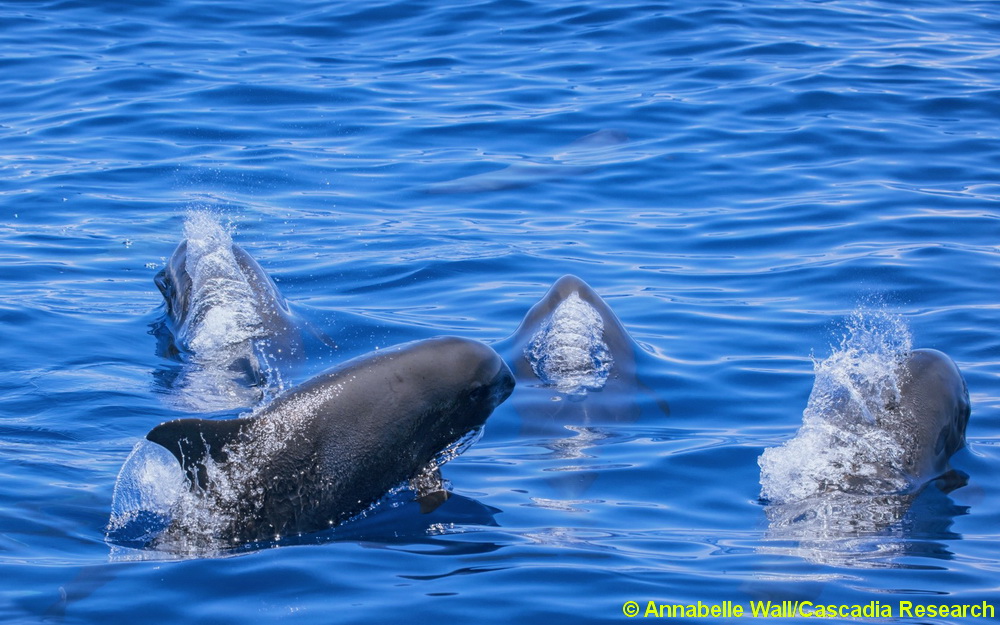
<point x="222" y="311"/>
<point x="568" y="352"/>
<point x="843" y="444"/>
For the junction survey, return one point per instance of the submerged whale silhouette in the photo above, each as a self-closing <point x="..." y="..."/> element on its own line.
<point x="572" y="160"/>
<point x="328" y="449"/>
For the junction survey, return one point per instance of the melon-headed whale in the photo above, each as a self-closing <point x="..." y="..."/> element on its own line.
<point x="893" y="440"/>
<point x="228" y="321"/>
<point x="580" y="157"/>
<point x="576" y="367"/>
<point x="931" y="415"/>
<point x="572" y="346"/>
<point x="332" y="446"/>
<point x="873" y="437"/>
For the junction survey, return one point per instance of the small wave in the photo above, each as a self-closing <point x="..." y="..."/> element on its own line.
<point x="843" y="444"/>
<point x="569" y="351"/>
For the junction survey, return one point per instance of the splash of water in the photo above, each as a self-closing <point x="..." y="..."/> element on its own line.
<point x="569" y="351"/>
<point x="222" y="313"/>
<point x="149" y="485"/>
<point x="844" y="445"/>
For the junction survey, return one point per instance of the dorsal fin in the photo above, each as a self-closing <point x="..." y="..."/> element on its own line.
<point x="191" y="441"/>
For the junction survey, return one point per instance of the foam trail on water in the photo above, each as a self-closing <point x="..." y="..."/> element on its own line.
<point x="843" y="444"/>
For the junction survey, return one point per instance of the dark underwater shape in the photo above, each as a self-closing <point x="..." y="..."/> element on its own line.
<point x="572" y="160"/>
<point x="328" y="449"/>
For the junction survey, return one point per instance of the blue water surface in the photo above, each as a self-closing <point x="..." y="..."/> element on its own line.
<point x="787" y="164"/>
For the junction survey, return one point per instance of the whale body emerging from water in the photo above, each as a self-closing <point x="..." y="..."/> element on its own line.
<point x="873" y="438"/>
<point x="227" y="318"/>
<point x="572" y="344"/>
<point x="893" y="440"/>
<point x="931" y="416"/>
<point x="575" y="364"/>
<point x="328" y="449"/>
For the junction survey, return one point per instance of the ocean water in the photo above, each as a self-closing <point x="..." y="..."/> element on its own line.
<point x="770" y="185"/>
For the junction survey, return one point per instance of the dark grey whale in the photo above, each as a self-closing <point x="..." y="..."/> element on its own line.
<point x="576" y="367"/>
<point x="886" y="435"/>
<point x="328" y="449"/>
<point x="571" y="340"/>
<point x="868" y="449"/>
<point x="228" y="321"/>
<point x="930" y="419"/>
<point x="572" y="345"/>
<point x="185" y="312"/>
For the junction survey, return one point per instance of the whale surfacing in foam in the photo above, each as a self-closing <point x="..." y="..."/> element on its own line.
<point x="882" y="422"/>
<point x="331" y="447"/>
<point x="917" y="427"/>
<point x="576" y="367"/>
<point x="227" y="318"/>
<point x="568" y="352"/>
<point x="572" y="342"/>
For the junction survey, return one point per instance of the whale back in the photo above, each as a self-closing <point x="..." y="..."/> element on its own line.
<point x="227" y="321"/>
